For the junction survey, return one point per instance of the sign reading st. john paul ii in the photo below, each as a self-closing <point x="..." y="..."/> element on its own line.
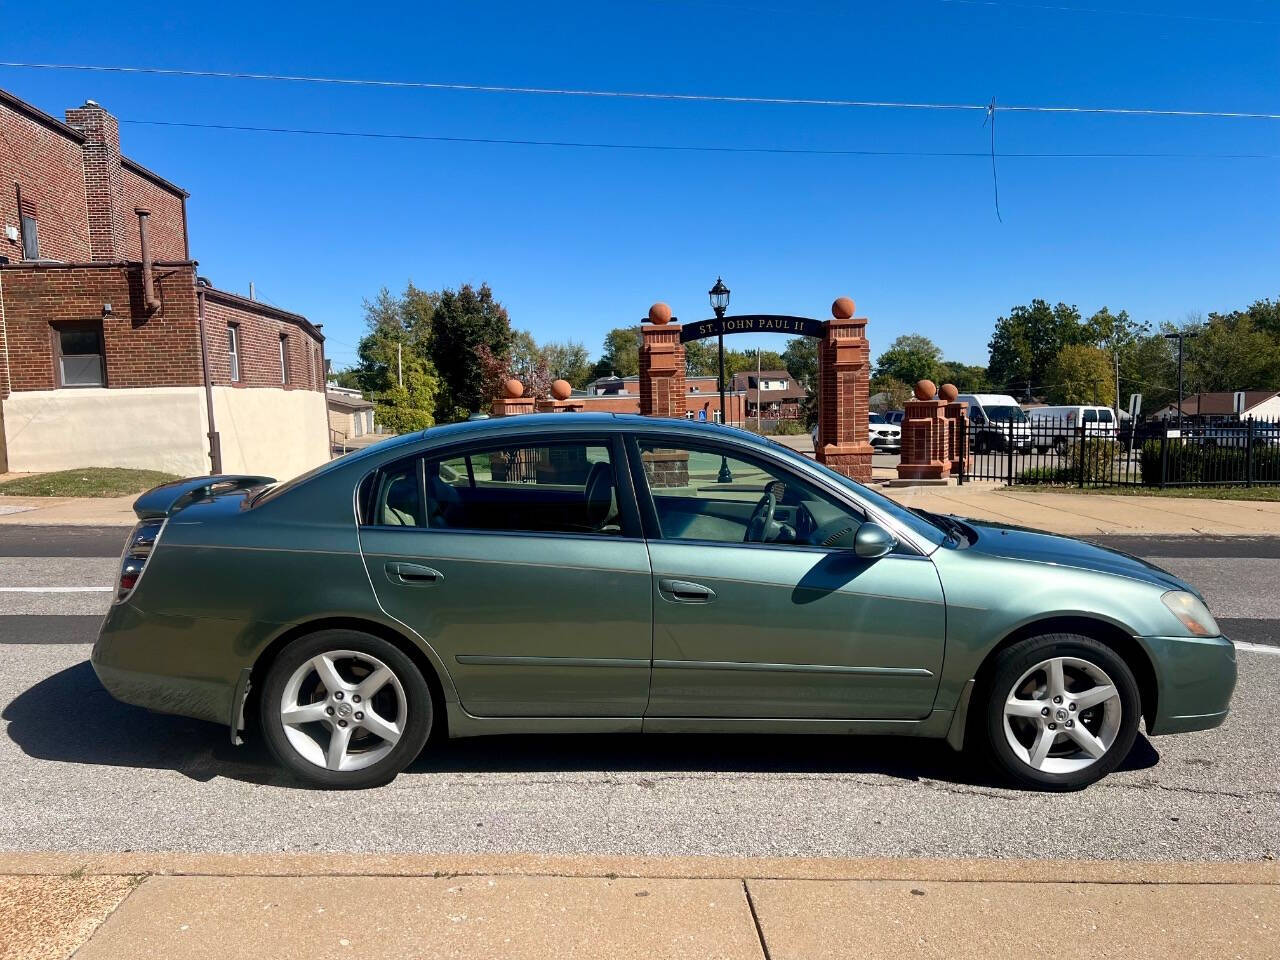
<point x="752" y="323"/>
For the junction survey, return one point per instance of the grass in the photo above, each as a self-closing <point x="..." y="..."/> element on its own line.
<point x="86" y="482"/>
<point x="1271" y="493"/>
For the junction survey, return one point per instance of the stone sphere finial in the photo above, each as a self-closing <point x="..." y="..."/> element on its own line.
<point x="843" y="308"/>
<point x="561" y="389"/>
<point x="925" y="390"/>
<point x="659" y="313"/>
<point x="512" y="389"/>
<point x="948" y="392"/>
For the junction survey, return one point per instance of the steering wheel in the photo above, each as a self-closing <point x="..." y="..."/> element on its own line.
<point x="762" y="528"/>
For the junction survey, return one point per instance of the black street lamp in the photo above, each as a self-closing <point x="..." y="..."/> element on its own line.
<point x="1180" y="336"/>
<point x="719" y="297"/>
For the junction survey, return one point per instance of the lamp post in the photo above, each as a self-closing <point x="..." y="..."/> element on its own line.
<point x="719" y="296"/>
<point x="1181" y="336"/>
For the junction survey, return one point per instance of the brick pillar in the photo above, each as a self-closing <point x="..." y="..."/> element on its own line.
<point x="957" y="413"/>
<point x="843" y="375"/>
<point x="103" y="180"/>
<point x="662" y="389"/>
<point x="513" y="401"/>
<point x="925" y="450"/>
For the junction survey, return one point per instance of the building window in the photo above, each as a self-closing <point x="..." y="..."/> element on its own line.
<point x="28" y="228"/>
<point x="284" y="358"/>
<point x="78" y="352"/>
<point x="233" y="351"/>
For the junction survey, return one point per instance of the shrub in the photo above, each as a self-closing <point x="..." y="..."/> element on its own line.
<point x="1191" y="461"/>
<point x="1060" y="475"/>
<point x="1096" y="459"/>
<point x="790" y="428"/>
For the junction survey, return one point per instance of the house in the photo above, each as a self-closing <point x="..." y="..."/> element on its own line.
<point x="614" y="394"/>
<point x="771" y="394"/>
<point x="350" y="414"/>
<point x="114" y="351"/>
<point x="1259" y="404"/>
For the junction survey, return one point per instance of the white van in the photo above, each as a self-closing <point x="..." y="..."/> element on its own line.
<point x="1056" y="426"/>
<point x="996" y="422"/>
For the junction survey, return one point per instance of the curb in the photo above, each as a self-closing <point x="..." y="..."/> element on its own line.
<point x="1265" y="872"/>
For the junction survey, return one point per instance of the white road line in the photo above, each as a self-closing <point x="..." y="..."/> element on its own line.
<point x="56" y="589"/>
<point x="1256" y="648"/>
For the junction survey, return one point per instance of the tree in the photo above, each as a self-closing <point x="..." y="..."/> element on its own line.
<point x="1025" y="342"/>
<point x="966" y="377"/>
<point x="800" y="358"/>
<point x="1232" y="353"/>
<point x="395" y="372"/>
<point x="1081" y="374"/>
<point x="910" y="358"/>
<point x="620" y="355"/>
<point x="896" y="392"/>
<point x="464" y="320"/>
<point x="744" y="361"/>
<point x="404" y="409"/>
<point x="567" y="361"/>
<point x="1149" y="367"/>
<point x="701" y="359"/>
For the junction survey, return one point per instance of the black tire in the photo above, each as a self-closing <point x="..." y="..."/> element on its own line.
<point x="1012" y="663"/>
<point x="418" y="707"/>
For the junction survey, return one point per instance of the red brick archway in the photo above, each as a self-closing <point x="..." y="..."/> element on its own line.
<point x="843" y="381"/>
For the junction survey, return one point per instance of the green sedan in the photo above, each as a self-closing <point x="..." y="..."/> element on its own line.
<point x="593" y="573"/>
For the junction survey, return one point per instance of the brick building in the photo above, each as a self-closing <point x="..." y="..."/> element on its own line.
<point x="113" y="350"/>
<point x="702" y="398"/>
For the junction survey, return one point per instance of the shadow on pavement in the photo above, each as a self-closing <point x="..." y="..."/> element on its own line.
<point x="69" y="718"/>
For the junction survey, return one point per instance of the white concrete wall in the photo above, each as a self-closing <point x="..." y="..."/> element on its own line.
<point x="154" y="428"/>
<point x="271" y="431"/>
<point x="268" y="430"/>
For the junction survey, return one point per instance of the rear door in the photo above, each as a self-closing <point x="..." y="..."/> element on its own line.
<point x="521" y="562"/>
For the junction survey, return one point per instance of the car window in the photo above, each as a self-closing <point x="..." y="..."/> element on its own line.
<point x="392" y="496"/>
<point x="1090" y="415"/>
<point x="1005" y="413"/>
<point x="708" y="493"/>
<point x="560" y="487"/>
<point x="1105" y="416"/>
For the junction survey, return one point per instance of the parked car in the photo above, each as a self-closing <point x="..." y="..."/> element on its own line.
<point x="895" y="416"/>
<point x="996" y="422"/>
<point x="601" y="573"/>
<point x="1057" y="427"/>
<point x="885" y="436"/>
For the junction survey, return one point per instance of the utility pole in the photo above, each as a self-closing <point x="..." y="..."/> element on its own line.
<point x="250" y="289"/>
<point x="757" y="389"/>
<point x="1181" y="336"/>
<point x="400" y="364"/>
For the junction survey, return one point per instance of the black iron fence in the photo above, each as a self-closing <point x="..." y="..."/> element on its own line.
<point x="1099" y="453"/>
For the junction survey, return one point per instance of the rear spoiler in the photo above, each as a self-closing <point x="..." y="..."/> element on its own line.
<point x="168" y="498"/>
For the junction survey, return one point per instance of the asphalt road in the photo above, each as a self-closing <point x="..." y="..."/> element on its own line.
<point x="83" y="772"/>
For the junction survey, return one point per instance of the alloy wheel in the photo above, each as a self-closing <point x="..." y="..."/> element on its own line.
<point x="1062" y="715"/>
<point x="343" y="710"/>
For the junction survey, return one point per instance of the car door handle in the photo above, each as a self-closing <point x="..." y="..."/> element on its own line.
<point x="413" y="573"/>
<point x="685" y="591"/>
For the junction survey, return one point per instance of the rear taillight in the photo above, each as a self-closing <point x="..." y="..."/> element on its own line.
<point x="137" y="549"/>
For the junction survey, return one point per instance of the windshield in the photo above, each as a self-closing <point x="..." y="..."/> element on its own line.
<point x="937" y="534"/>
<point x="876" y="418"/>
<point x="1005" y="413"/>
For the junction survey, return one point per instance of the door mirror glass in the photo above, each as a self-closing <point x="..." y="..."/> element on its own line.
<point x="873" y="541"/>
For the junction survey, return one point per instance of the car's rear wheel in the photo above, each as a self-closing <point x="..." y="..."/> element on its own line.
<point x="345" y="709"/>
<point x="1062" y="711"/>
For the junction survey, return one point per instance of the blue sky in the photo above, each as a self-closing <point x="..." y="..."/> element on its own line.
<point x="575" y="241"/>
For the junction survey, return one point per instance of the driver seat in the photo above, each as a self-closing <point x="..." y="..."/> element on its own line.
<point x="602" y="503"/>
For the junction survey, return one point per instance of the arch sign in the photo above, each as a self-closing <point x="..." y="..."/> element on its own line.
<point x="752" y="323"/>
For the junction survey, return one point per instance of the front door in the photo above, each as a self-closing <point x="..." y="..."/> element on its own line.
<point x="523" y="566"/>
<point x="761" y="608"/>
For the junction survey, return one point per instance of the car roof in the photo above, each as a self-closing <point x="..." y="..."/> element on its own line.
<point x="992" y="398"/>
<point x="580" y="423"/>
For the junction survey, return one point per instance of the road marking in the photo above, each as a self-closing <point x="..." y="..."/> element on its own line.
<point x="56" y="589"/>
<point x="1256" y="648"/>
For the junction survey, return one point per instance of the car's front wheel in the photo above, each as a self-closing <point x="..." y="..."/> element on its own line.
<point x="1062" y="711"/>
<point x="345" y="709"/>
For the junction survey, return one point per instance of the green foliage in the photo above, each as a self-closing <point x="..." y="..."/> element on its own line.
<point x="701" y="358"/>
<point x="800" y="359"/>
<point x="464" y="321"/>
<point x="86" y="482"/>
<point x="898" y="393"/>
<point x="1096" y="458"/>
<point x="1234" y="351"/>
<point x="790" y="428"/>
<point x="967" y="377"/>
<point x="395" y="346"/>
<point x="620" y="355"/>
<point x="744" y="361"/>
<point x="1190" y="461"/>
<point x="404" y="409"/>
<point x="1025" y="342"/>
<point x="1046" y="474"/>
<point x="910" y="358"/>
<point x="567" y="361"/>
<point x="1081" y="374"/>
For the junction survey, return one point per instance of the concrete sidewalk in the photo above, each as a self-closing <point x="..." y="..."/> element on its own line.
<point x="315" y="906"/>
<point x="1067" y="513"/>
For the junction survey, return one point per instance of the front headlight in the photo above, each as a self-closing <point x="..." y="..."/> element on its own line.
<point x="1192" y="612"/>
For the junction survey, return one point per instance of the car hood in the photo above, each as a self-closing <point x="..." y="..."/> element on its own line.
<point x="1020" y="543"/>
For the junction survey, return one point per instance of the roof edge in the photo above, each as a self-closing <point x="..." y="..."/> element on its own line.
<point x="39" y="116"/>
<point x="159" y="181"/>
<point x="226" y="298"/>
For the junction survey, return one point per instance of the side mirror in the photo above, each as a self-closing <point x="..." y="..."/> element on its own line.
<point x="873" y="541"/>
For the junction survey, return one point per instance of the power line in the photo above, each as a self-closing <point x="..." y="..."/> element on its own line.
<point x="1195" y="17"/>
<point x="697" y="148"/>
<point x="631" y="94"/>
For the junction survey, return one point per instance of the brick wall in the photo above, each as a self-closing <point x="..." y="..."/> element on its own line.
<point x="167" y="227"/>
<point x="45" y="160"/>
<point x="162" y="350"/>
<point x="103" y="179"/>
<point x="260" y="328"/>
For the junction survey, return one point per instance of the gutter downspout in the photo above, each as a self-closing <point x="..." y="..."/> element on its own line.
<point x="149" y="297"/>
<point x="215" y="441"/>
